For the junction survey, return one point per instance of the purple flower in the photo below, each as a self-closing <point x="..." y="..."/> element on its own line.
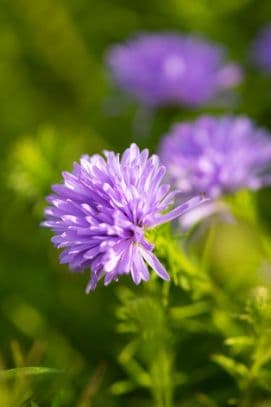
<point x="161" y="69"/>
<point x="217" y="155"/>
<point x="101" y="212"/>
<point x="261" y="50"/>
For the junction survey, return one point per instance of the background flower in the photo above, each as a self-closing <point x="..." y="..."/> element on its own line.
<point x="161" y="69"/>
<point x="217" y="155"/>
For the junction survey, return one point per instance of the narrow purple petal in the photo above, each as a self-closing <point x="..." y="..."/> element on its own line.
<point x="179" y="211"/>
<point x="155" y="264"/>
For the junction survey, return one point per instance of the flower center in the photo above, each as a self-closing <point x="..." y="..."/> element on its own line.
<point x="174" y="67"/>
<point x="137" y="234"/>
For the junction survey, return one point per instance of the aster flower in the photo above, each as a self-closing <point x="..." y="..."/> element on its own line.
<point x="100" y="213"/>
<point x="217" y="155"/>
<point x="261" y="50"/>
<point x="161" y="69"/>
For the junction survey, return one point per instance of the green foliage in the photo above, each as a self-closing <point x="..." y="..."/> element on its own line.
<point x="36" y="162"/>
<point x="248" y="356"/>
<point x="169" y="247"/>
<point x="148" y="357"/>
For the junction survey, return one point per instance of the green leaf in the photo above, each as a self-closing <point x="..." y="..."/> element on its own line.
<point x="234" y="368"/>
<point x="27" y="371"/>
<point x="240" y="342"/>
<point x="122" y="387"/>
<point x="189" y="311"/>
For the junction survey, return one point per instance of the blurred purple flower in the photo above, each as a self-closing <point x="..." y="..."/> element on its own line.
<point x="217" y="155"/>
<point x="161" y="69"/>
<point x="102" y="210"/>
<point x="261" y="50"/>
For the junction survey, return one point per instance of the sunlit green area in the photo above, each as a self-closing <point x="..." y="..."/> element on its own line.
<point x="202" y="340"/>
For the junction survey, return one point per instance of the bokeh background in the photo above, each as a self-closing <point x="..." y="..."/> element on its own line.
<point x="56" y="103"/>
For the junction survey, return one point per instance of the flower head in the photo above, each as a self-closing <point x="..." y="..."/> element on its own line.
<point x="161" y="69"/>
<point x="217" y="155"/>
<point x="261" y="50"/>
<point x="101" y="211"/>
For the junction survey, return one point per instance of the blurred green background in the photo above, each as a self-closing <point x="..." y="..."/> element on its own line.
<point x="56" y="103"/>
